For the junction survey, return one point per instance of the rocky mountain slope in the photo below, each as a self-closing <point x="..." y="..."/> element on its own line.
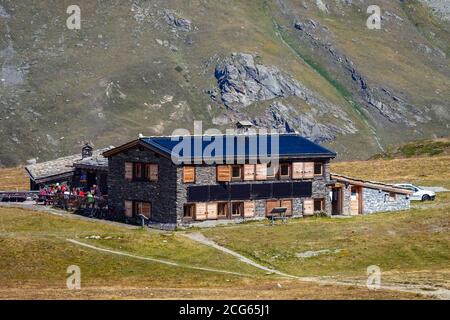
<point x="149" y="67"/>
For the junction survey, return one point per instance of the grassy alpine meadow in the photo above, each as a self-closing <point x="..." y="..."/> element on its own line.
<point x="14" y="179"/>
<point x="35" y="255"/>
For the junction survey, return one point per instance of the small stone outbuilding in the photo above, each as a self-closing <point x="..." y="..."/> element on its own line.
<point x="352" y="196"/>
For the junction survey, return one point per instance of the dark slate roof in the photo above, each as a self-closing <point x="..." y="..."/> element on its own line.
<point x="61" y="167"/>
<point x="289" y="146"/>
<point x="97" y="161"/>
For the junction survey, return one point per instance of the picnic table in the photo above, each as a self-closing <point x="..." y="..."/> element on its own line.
<point x="277" y="213"/>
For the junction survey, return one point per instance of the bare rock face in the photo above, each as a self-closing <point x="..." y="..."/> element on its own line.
<point x="285" y="119"/>
<point x="242" y="82"/>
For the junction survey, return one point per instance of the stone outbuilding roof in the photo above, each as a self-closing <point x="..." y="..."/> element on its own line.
<point x="63" y="167"/>
<point x="370" y="184"/>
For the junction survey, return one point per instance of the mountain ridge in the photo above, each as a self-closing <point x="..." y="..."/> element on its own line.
<point x="151" y="67"/>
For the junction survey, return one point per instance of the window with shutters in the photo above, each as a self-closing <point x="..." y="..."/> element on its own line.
<point x="143" y="208"/>
<point x="318" y="170"/>
<point x="237" y="208"/>
<point x="189" y="211"/>
<point x="222" y="209"/>
<point x="188" y="174"/>
<point x="236" y="173"/>
<point x="285" y="171"/>
<point x="136" y="208"/>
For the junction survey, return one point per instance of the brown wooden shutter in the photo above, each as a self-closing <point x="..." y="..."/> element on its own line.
<point x="223" y="173"/>
<point x="308" y="207"/>
<point x="200" y="211"/>
<point x="297" y="170"/>
<point x="270" y="204"/>
<point x="128" y="208"/>
<point x="308" y="170"/>
<point x="146" y="209"/>
<point x="249" y="172"/>
<point x="288" y="205"/>
<point x="152" y="172"/>
<point x="261" y="171"/>
<point x="249" y="209"/>
<point x="188" y="174"/>
<point x="128" y="170"/>
<point x="211" y="208"/>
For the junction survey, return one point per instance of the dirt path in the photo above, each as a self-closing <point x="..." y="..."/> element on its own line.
<point x="166" y="262"/>
<point x="424" y="290"/>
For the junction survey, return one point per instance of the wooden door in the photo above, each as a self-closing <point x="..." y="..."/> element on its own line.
<point x="355" y="200"/>
<point x="308" y="207"/>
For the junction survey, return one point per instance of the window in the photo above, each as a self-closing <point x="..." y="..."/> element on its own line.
<point x="236" y="173"/>
<point x="285" y="171"/>
<point x="318" y="169"/>
<point x="137" y="171"/>
<point x="318" y="205"/>
<point x="152" y="172"/>
<point x="237" y="208"/>
<point x="189" y="211"/>
<point x="144" y="208"/>
<point x="188" y="174"/>
<point x="136" y="208"/>
<point x="222" y="209"/>
<point x="143" y="171"/>
<point x="392" y="196"/>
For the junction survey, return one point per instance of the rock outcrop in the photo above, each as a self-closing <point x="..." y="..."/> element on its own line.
<point x="177" y="22"/>
<point x="286" y="118"/>
<point x="242" y="81"/>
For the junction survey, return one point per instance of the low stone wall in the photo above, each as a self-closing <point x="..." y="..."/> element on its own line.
<point x="378" y="201"/>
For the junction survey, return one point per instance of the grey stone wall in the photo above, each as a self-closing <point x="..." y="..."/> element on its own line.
<point x="206" y="175"/>
<point x="162" y="194"/>
<point x="378" y="201"/>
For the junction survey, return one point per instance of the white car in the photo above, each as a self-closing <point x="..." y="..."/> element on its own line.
<point x="419" y="193"/>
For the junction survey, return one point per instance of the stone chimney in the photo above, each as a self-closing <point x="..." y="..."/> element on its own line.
<point x="86" y="151"/>
<point x="243" y="126"/>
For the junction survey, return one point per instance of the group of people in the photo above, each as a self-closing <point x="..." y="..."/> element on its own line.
<point x="67" y="193"/>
